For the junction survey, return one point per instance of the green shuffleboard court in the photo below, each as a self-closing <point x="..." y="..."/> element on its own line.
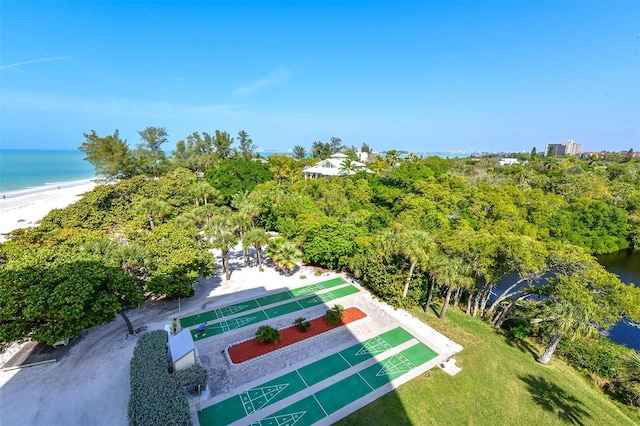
<point x="330" y="399"/>
<point x="245" y="403"/>
<point x="220" y="327"/>
<point x="248" y="305"/>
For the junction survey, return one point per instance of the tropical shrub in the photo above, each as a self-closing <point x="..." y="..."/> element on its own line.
<point x="334" y="315"/>
<point x="268" y="334"/>
<point x="302" y="324"/>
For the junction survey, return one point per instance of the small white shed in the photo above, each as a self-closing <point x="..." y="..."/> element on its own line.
<point x="182" y="350"/>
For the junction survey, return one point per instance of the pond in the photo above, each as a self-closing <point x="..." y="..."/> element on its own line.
<point x="625" y="264"/>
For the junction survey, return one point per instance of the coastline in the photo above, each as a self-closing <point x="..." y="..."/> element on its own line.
<point x="25" y="208"/>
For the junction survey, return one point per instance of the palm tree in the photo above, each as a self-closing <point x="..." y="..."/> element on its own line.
<point x="570" y="320"/>
<point x="155" y="209"/>
<point x="134" y="260"/>
<point x="284" y="254"/>
<point x="452" y="272"/>
<point x="630" y="373"/>
<point x="220" y="232"/>
<point x="415" y="245"/>
<point x="378" y="165"/>
<point x="348" y="166"/>
<point x="205" y="192"/>
<point x="256" y="237"/>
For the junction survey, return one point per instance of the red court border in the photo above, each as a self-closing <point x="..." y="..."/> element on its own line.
<point x="244" y="351"/>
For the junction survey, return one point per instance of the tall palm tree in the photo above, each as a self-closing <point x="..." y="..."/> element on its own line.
<point x="455" y="274"/>
<point x="220" y="232"/>
<point x="285" y="255"/>
<point x="416" y="246"/>
<point x="571" y="320"/>
<point x="258" y="238"/>
<point x="203" y="191"/>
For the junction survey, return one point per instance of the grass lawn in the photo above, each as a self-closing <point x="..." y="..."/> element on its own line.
<point x="500" y="384"/>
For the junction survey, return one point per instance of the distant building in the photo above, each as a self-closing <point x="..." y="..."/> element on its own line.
<point x="566" y="148"/>
<point x="509" y="161"/>
<point x="333" y="166"/>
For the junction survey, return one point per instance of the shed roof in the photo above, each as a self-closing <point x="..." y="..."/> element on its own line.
<point x="181" y="344"/>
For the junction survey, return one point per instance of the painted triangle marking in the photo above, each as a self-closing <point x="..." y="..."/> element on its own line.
<point x="374" y="345"/>
<point x="230" y="310"/>
<point x="397" y="364"/>
<point x="283" y="420"/>
<point x="256" y="398"/>
<point x="325" y="297"/>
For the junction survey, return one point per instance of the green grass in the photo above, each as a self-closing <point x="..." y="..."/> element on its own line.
<point x="500" y="384"/>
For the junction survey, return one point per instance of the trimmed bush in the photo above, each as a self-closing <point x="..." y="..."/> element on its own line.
<point x="156" y="397"/>
<point x="191" y="377"/>
<point x="268" y="334"/>
<point x="334" y="315"/>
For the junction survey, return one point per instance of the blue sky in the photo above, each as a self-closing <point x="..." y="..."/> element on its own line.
<point x="416" y="76"/>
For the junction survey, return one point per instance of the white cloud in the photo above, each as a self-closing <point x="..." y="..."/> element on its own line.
<point x="118" y="107"/>
<point x="275" y="77"/>
<point x="33" y="61"/>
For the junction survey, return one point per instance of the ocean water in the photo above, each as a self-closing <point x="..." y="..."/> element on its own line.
<point x="27" y="169"/>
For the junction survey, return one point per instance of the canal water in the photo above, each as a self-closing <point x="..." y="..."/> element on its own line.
<point x="625" y="264"/>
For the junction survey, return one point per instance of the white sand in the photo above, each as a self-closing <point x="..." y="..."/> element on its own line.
<point x="23" y="209"/>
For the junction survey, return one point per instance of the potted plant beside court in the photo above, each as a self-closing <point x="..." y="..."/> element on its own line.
<point x="302" y="324"/>
<point x="334" y="315"/>
<point x="268" y="334"/>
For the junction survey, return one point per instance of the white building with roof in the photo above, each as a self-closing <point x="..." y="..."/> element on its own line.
<point x="182" y="350"/>
<point x="334" y="166"/>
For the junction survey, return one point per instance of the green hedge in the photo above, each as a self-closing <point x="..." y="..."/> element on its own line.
<point x="191" y="377"/>
<point x="157" y="398"/>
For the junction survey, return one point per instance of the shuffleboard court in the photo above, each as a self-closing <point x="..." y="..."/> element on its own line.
<point x="279" y="310"/>
<point x="265" y="394"/>
<point x="330" y="399"/>
<point x="313" y="288"/>
<point x="319" y="299"/>
<point x="220" y="327"/>
<point x="250" y="304"/>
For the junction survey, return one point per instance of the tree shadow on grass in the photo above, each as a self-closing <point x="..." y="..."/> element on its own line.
<point x="556" y="400"/>
<point x="521" y="345"/>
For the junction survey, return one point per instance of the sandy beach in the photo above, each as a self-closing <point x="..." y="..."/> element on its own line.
<point x="23" y="209"/>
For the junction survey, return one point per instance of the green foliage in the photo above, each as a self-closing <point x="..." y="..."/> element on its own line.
<point x="233" y="175"/>
<point x="597" y="355"/>
<point x="334" y="315"/>
<point x="595" y="225"/>
<point x="302" y="324"/>
<point x="157" y="398"/>
<point x="268" y="334"/>
<point x="329" y="242"/>
<point x="192" y="379"/>
<point x="284" y="254"/>
<point x="51" y="295"/>
<point x="109" y="155"/>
